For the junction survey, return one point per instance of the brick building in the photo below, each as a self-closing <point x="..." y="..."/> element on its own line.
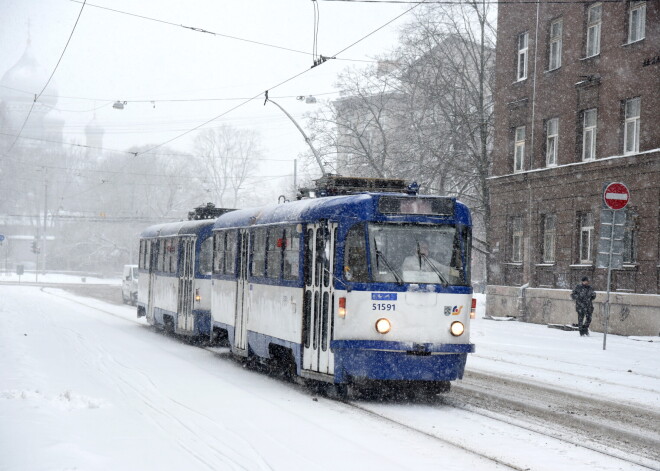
<point x="577" y="102"/>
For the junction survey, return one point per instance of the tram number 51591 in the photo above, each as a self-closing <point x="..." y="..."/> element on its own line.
<point x="383" y="307"/>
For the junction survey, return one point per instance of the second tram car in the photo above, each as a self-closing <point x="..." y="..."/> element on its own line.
<point x="348" y="289"/>
<point x="175" y="277"/>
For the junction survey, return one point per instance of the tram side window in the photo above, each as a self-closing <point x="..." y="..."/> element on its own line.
<point x="219" y="239"/>
<point x="291" y="253"/>
<point x="258" y="249"/>
<point x="161" y="255"/>
<point x="141" y="256"/>
<point x="174" y="256"/>
<point x="274" y="252"/>
<point x="355" y="255"/>
<point x="230" y="253"/>
<point x="149" y="245"/>
<point x="206" y="257"/>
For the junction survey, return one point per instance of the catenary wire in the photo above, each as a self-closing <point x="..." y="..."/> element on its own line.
<point x="205" y="31"/>
<point x="279" y="84"/>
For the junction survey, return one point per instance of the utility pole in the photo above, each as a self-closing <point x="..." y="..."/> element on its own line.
<point x="43" y="244"/>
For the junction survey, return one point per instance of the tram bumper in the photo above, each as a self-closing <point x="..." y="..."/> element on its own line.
<point x="381" y="360"/>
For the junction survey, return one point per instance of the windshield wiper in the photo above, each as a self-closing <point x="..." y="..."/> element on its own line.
<point x="422" y="256"/>
<point x="379" y="254"/>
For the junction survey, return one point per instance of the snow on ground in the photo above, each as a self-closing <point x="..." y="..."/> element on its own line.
<point x="56" y="278"/>
<point x="84" y="385"/>
<point x="628" y="370"/>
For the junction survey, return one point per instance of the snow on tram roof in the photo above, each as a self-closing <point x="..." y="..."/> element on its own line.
<point x="178" y="228"/>
<point x="359" y="206"/>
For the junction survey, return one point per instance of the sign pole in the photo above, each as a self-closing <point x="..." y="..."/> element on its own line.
<point x="609" y="281"/>
<point x="615" y="197"/>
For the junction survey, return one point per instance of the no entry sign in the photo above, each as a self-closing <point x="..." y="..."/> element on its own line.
<point x="616" y="196"/>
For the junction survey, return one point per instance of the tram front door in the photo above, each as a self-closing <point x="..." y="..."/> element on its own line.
<point x="185" y="318"/>
<point x="242" y="295"/>
<point x="318" y="302"/>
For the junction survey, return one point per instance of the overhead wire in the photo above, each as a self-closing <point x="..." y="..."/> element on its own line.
<point x="279" y="84"/>
<point x="205" y="31"/>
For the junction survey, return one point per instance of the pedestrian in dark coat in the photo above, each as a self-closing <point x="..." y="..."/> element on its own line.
<point x="583" y="295"/>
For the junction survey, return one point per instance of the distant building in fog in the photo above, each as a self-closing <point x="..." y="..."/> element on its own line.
<point x="576" y="102"/>
<point x="18" y="87"/>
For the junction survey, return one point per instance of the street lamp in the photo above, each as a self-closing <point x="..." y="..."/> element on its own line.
<point x="309" y="99"/>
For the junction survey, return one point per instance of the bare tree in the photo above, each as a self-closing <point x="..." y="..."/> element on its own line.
<point x="228" y="156"/>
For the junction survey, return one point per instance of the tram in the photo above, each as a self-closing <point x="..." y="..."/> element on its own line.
<point x="369" y="282"/>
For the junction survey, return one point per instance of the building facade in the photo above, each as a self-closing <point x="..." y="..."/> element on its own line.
<point x="577" y="102"/>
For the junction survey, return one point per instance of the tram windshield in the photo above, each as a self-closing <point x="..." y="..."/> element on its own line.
<point x="407" y="253"/>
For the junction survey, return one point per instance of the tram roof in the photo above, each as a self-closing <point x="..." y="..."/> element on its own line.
<point x="178" y="228"/>
<point x="362" y="206"/>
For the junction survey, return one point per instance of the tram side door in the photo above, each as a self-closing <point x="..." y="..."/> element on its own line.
<point x="185" y="319"/>
<point x="153" y="258"/>
<point x="242" y="294"/>
<point x="318" y="303"/>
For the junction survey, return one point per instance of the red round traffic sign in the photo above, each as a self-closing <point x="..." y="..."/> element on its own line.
<point x="616" y="196"/>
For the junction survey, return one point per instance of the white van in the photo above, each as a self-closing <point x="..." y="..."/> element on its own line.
<point x="129" y="284"/>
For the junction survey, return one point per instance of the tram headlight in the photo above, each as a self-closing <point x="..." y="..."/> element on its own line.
<point x="383" y="326"/>
<point x="457" y="328"/>
<point x="198" y="298"/>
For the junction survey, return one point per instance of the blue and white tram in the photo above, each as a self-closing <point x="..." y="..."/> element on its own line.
<point x="174" y="284"/>
<point x="348" y="289"/>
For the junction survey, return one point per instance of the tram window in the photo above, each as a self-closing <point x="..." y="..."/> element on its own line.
<point x="218" y="251"/>
<point x="258" y="248"/>
<point x="141" y="255"/>
<point x="355" y="255"/>
<point x="291" y="253"/>
<point x="206" y="257"/>
<point x="307" y="314"/>
<point x="161" y="255"/>
<point x="308" y="256"/>
<point x="274" y="252"/>
<point x="147" y="257"/>
<point x="230" y="253"/>
<point x="174" y="252"/>
<point x="324" y="322"/>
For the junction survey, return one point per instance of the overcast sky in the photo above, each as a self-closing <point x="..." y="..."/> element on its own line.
<point x="117" y="56"/>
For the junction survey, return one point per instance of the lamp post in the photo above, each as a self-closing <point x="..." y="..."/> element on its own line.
<point x="309" y="99"/>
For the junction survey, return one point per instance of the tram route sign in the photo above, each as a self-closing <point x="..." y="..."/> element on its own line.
<point x="616" y="196"/>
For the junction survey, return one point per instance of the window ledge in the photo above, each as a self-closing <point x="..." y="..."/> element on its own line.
<point x="513" y="264"/>
<point x="519" y="81"/>
<point x="590" y="57"/>
<point x="582" y="265"/>
<point x="552" y="70"/>
<point x="633" y="42"/>
<point x="552" y="264"/>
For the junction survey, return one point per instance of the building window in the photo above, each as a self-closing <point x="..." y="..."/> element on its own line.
<point x="586" y="237"/>
<point x="552" y="138"/>
<point x="522" y="56"/>
<point x="594" y="20"/>
<point x="631" y="126"/>
<point x="636" y="22"/>
<point x="629" y="237"/>
<point x="516" y="239"/>
<point x="519" y="149"/>
<point x="549" y="237"/>
<point x="554" y="61"/>
<point x="589" y="134"/>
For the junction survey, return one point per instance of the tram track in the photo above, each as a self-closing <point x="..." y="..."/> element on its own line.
<point x="619" y="431"/>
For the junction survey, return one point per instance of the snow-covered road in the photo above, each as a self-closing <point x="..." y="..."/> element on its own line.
<point x="85" y="385"/>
